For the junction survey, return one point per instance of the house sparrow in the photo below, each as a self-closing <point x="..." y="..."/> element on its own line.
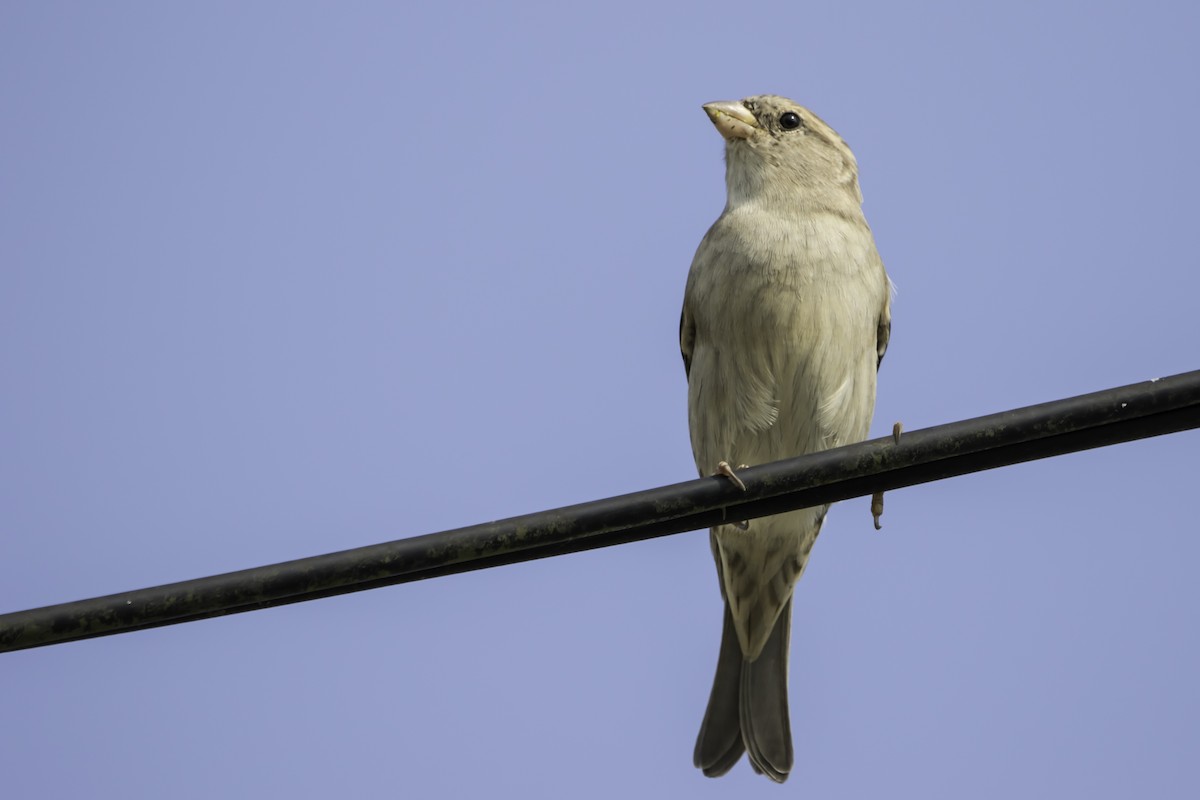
<point x="786" y="317"/>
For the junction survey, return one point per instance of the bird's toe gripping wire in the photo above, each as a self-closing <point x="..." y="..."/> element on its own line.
<point x="877" y="498"/>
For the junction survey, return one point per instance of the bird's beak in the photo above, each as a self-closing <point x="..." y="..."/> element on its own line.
<point x="733" y="120"/>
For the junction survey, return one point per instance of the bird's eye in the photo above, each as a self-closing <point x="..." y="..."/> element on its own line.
<point x="789" y="120"/>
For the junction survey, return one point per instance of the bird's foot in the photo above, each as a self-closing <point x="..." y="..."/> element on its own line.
<point x="877" y="498"/>
<point x="726" y="471"/>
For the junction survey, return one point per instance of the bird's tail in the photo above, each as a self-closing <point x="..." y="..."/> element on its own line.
<point x="748" y="707"/>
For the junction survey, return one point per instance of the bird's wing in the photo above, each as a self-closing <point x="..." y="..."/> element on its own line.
<point x="883" y="334"/>
<point x="687" y="339"/>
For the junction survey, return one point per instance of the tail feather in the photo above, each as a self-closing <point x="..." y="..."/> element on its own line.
<point x="719" y="745"/>
<point x="763" y="703"/>
<point x="748" y="707"/>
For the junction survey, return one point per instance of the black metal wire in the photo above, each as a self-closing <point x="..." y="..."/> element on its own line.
<point x="1093" y="420"/>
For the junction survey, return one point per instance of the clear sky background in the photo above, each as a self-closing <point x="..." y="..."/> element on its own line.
<point x="278" y="279"/>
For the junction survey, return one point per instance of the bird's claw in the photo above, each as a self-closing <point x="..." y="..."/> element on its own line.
<point x="877" y="497"/>
<point x="726" y="471"/>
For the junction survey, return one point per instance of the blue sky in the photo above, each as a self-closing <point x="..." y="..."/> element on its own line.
<point x="278" y="279"/>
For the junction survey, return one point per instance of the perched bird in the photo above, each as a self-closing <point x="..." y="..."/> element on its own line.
<point x="786" y="317"/>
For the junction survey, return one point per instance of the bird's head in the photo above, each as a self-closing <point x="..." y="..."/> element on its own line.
<point x="777" y="151"/>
